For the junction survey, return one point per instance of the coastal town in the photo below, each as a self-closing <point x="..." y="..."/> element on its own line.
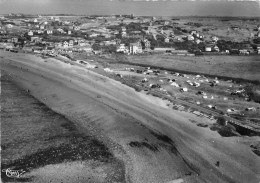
<point x="127" y="34"/>
<point x="156" y="89"/>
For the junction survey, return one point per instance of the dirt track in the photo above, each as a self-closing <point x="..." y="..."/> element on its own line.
<point x="156" y="143"/>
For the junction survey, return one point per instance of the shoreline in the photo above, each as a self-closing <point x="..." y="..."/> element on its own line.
<point x="121" y="116"/>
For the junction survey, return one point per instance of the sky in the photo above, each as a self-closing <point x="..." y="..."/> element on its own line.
<point x="136" y="7"/>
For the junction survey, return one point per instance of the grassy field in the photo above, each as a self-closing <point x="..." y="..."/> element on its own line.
<point x="229" y="67"/>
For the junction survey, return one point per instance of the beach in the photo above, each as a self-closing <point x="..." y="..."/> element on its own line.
<point x="154" y="142"/>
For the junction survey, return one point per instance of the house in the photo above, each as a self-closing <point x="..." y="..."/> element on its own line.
<point x="197" y="41"/>
<point x="58" y="44"/>
<point x="106" y="35"/>
<point x="40" y="31"/>
<point x="166" y="40"/>
<point x="60" y="30"/>
<point x="36" y="39"/>
<point x="30" y="33"/>
<point x="235" y="28"/>
<point x="216" y="48"/>
<point x="35" y="20"/>
<point x="190" y="38"/>
<point x="123" y="31"/>
<point x="135" y="48"/>
<point x="65" y="44"/>
<point x="42" y="27"/>
<point x="243" y="52"/>
<point x="208" y="48"/>
<point x="193" y="32"/>
<point x="122" y="48"/>
<point x="14" y="39"/>
<point x="93" y="35"/>
<point x="214" y="38"/>
<point x="9" y="26"/>
<point x="71" y="42"/>
<point x="147" y="44"/>
<point x="49" y="31"/>
<point x="258" y="34"/>
<point x="87" y="48"/>
<point x="76" y="28"/>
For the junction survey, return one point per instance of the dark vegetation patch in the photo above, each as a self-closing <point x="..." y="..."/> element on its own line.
<point x="170" y="145"/>
<point x="202" y="125"/>
<point x="193" y="121"/>
<point x="251" y="91"/>
<point x="152" y="147"/>
<point x="257" y="152"/>
<point x="224" y="131"/>
<point x="162" y="137"/>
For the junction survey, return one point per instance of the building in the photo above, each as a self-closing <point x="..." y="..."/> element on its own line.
<point x="14" y="39"/>
<point x="192" y="32"/>
<point x="214" y="38"/>
<point x="208" y="48"/>
<point x="93" y="35"/>
<point x="122" y="48"/>
<point x="190" y="38"/>
<point x="135" y="48"/>
<point x="76" y="28"/>
<point x="71" y="43"/>
<point x="87" y="48"/>
<point x="36" y="39"/>
<point x="197" y="41"/>
<point x="42" y="27"/>
<point x="166" y="40"/>
<point x="216" y="48"/>
<point x="30" y="33"/>
<point x="49" y="31"/>
<point x="147" y="44"/>
<point x="123" y="33"/>
<point x="65" y="44"/>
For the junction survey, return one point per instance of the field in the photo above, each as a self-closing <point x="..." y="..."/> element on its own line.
<point x="231" y="67"/>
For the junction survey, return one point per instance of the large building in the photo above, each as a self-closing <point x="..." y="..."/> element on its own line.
<point x="135" y="48"/>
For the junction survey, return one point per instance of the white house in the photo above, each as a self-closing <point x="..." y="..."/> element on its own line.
<point x="42" y="27"/>
<point x="214" y="38"/>
<point x="208" y="48"/>
<point x="65" y="44"/>
<point x="122" y="48"/>
<point x="9" y="26"/>
<point x="49" y="31"/>
<point x="190" y="38"/>
<point x="216" y="48"/>
<point x="87" y="48"/>
<point x="30" y="33"/>
<point x="71" y="42"/>
<point x="76" y="28"/>
<point x="135" y="48"/>
<point x="197" y="41"/>
<point x="93" y="35"/>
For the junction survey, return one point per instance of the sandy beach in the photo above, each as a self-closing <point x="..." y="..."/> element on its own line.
<point x="155" y="143"/>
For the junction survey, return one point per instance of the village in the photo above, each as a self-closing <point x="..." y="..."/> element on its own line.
<point x="127" y="34"/>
